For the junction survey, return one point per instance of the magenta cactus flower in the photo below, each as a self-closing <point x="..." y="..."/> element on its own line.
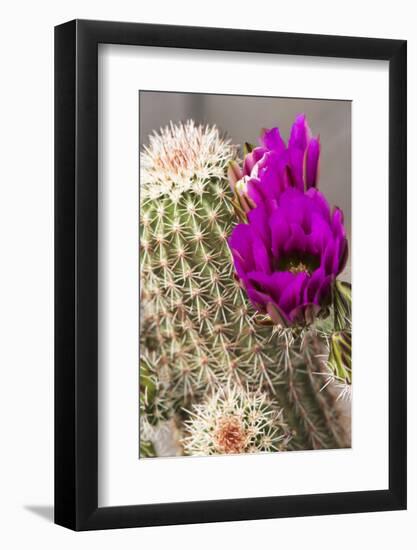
<point x="292" y="247"/>
<point x="273" y="167"/>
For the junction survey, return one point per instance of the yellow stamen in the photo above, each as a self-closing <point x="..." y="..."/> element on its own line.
<point x="300" y="267"/>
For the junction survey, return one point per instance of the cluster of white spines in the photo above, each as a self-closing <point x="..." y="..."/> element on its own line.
<point x="234" y="421"/>
<point x="182" y="156"/>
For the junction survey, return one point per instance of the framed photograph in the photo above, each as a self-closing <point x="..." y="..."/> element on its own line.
<point x="230" y="247"/>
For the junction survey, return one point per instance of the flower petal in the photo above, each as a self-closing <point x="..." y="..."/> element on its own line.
<point x="323" y="292"/>
<point x="257" y="192"/>
<point x="343" y="255"/>
<point x="272" y="140"/>
<point x="280" y="232"/>
<point x="330" y="259"/>
<point x="320" y="203"/>
<point x="296" y="162"/>
<point x="297" y="242"/>
<point x="234" y="173"/>
<point x="258" y="219"/>
<point x="291" y="297"/>
<point x="300" y="133"/>
<point x="313" y="285"/>
<point x="260" y="254"/>
<point x="274" y="285"/>
<point x="320" y="233"/>
<point x="312" y="163"/>
<point x="258" y="299"/>
<point x="240" y="243"/>
<point x="252" y="159"/>
<point x="276" y="314"/>
<point x="337" y="223"/>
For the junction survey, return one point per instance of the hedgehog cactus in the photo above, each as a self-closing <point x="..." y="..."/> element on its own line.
<point x="198" y="330"/>
<point x="234" y="421"/>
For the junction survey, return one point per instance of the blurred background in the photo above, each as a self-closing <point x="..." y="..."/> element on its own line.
<point x="241" y="118"/>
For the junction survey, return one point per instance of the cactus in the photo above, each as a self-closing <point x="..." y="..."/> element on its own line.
<point x="235" y="421"/>
<point x="198" y="330"/>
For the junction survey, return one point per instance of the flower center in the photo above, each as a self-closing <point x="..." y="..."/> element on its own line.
<point x="297" y="263"/>
<point x="230" y="436"/>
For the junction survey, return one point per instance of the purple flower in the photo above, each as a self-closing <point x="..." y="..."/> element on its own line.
<point x="273" y="167"/>
<point x="292" y="247"/>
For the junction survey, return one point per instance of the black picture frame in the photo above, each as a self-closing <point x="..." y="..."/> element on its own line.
<point x="76" y="271"/>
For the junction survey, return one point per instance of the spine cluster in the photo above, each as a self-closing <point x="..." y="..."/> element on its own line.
<point x="234" y="421"/>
